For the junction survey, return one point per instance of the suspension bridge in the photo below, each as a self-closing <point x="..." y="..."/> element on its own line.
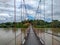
<point x="31" y="38"/>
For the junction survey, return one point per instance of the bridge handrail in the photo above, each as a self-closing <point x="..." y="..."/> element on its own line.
<point x="53" y="34"/>
<point x="40" y="39"/>
<point x="26" y="37"/>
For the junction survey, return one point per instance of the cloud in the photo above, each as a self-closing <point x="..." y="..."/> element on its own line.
<point x="4" y="0"/>
<point x="2" y="18"/>
<point x="48" y="19"/>
<point x="27" y="6"/>
<point x="7" y="10"/>
<point x="4" y="15"/>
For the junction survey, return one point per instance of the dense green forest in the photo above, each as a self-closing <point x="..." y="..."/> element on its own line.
<point x="35" y="23"/>
<point x="44" y="24"/>
<point x="13" y="24"/>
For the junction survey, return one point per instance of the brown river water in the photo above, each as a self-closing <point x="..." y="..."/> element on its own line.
<point x="49" y="36"/>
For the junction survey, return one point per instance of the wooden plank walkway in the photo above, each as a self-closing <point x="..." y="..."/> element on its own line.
<point x="32" y="39"/>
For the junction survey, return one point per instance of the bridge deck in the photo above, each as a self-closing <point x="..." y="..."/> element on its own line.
<point x="32" y="39"/>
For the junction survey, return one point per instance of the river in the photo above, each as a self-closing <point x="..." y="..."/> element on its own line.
<point x="51" y="36"/>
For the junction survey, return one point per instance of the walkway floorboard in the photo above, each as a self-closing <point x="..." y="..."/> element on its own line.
<point x="32" y="39"/>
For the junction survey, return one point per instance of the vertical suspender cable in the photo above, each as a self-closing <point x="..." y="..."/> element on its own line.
<point x="52" y="10"/>
<point x="15" y="19"/>
<point x="44" y="13"/>
<point x="25" y="7"/>
<point x="37" y="10"/>
<point x="21" y="21"/>
<point x="40" y="17"/>
<point x="21" y="10"/>
<point x="40" y="10"/>
<point x="44" y="20"/>
<point x="25" y="11"/>
<point x="52" y="17"/>
<point x="23" y="4"/>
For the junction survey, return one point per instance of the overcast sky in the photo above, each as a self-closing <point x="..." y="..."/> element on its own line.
<point x="7" y="10"/>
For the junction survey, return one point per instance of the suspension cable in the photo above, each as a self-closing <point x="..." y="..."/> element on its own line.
<point x="21" y="23"/>
<point x="23" y="14"/>
<point x="15" y="19"/>
<point x="37" y="7"/>
<point x="52" y="11"/>
<point x="44" y="11"/>
<point x="44" y="23"/>
<point x="52" y="17"/>
<point x="25" y="7"/>
<point x="21" y="10"/>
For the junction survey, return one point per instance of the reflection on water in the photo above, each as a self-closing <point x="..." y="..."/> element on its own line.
<point x="51" y="36"/>
<point x="7" y="36"/>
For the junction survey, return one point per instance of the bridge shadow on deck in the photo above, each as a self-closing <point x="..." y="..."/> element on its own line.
<point x="32" y="39"/>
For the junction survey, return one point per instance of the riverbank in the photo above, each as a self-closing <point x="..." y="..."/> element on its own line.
<point x="35" y="23"/>
<point x="12" y="25"/>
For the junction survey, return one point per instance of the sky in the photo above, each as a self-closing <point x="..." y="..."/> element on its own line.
<point x="30" y="11"/>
